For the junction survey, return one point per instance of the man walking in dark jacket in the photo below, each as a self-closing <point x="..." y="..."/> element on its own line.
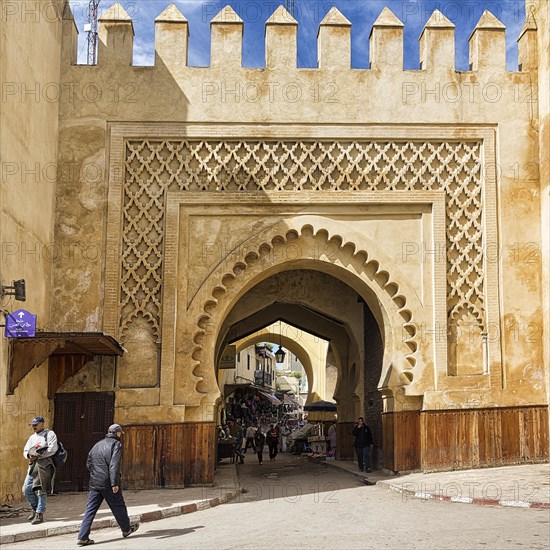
<point x="104" y="466"/>
<point x="272" y="439"/>
<point x="363" y="444"/>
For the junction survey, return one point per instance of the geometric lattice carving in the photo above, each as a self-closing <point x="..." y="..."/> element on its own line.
<point x="154" y="166"/>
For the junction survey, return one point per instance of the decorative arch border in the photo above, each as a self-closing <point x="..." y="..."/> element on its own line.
<point x="391" y="290"/>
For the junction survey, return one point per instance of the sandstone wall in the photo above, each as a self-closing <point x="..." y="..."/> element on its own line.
<point x="30" y="34"/>
<point x="507" y="367"/>
<point x="542" y="17"/>
<point x="59" y="122"/>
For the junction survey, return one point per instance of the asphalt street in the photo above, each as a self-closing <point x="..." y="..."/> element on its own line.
<point x="291" y="503"/>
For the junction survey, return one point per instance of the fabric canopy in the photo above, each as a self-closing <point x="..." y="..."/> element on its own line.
<point x="291" y="401"/>
<point x="271" y="398"/>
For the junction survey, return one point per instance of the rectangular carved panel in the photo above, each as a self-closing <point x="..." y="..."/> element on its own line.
<point x="154" y="167"/>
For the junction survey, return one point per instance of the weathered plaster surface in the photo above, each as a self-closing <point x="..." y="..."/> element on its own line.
<point x="225" y="94"/>
<point x="169" y="372"/>
<point x="30" y="77"/>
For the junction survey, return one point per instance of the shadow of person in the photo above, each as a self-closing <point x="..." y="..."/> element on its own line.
<point x="168" y="533"/>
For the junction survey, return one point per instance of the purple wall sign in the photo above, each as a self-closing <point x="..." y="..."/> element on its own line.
<point x="20" y="324"/>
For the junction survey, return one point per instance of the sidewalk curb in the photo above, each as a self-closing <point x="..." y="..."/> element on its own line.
<point x="146" y="517"/>
<point x="357" y="475"/>
<point x="464" y="500"/>
<point x="391" y="484"/>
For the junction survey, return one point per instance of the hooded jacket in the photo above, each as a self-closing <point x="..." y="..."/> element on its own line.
<point x="103" y="463"/>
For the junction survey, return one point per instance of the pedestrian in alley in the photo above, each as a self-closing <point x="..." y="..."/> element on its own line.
<point x="363" y="444"/>
<point x="239" y="442"/>
<point x="331" y="438"/>
<point x="39" y="449"/>
<point x="104" y="465"/>
<point x="259" y="440"/>
<point x="272" y="439"/>
<point x="250" y="432"/>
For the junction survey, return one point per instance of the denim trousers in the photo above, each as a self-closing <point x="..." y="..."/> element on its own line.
<point x="37" y="499"/>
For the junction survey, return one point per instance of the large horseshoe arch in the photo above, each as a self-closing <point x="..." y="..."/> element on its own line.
<point x="295" y="244"/>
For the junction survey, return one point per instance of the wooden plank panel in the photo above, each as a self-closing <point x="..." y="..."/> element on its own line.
<point x="509" y="421"/>
<point x="407" y="440"/>
<point x="402" y="444"/>
<point x="542" y="431"/>
<point x="171" y="455"/>
<point x="495" y="452"/>
<point x="465" y="436"/>
<point x="61" y="368"/>
<point x="437" y="451"/>
<point x="483" y="437"/>
<point x="533" y="429"/>
<point x="388" y="441"/>
<point x="199" y="453"/>
<point x="138" y="467"/>
<point x="487" y="437"/>
<point x="526" y="434"/>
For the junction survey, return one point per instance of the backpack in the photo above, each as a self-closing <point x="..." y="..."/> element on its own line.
<point x="60" y="456"/>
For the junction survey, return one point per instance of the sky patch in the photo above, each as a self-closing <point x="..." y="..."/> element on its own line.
<point x="309" y="13"/>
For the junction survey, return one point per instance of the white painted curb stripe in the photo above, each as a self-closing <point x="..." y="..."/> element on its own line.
<point x="465" y="500"/>
<point x="515" y="503"/>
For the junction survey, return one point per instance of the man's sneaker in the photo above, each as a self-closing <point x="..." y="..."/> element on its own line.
<point x="133" y="529"/>
<point x="38" y="518"/>
<point x="31" y="515"/>
<point x="84" y="542"/>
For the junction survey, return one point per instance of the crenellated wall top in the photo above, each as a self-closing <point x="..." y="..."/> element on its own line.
<point x="487" y="45"/>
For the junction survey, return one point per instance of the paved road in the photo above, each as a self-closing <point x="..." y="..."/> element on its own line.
<point x="291" y="503"/>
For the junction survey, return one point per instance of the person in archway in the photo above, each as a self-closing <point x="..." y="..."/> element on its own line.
<point x="363" y="444"/>
<point x="331" y="438"/>
<point x="250" y="433"/>
<point x="259" y="441"/>
<point x="239" y="442"/>
<point x="272" y="439"/>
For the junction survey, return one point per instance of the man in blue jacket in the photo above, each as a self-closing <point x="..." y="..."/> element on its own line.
<point x="104" y="466"/>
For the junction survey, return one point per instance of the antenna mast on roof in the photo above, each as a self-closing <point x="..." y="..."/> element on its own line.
<point x="289" y="5"/>
<point x="91" y="29"/>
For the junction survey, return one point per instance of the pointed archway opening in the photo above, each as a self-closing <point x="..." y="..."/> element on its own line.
<point x="302" y="350"/>
<point x="327" y="308"/>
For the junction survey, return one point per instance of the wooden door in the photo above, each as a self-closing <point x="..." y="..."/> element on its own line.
<point x="80" y="420"/>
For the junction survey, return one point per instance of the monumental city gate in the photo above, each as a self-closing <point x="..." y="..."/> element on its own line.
<point x="200" y="211"/>
<point x="376" y="208"/>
